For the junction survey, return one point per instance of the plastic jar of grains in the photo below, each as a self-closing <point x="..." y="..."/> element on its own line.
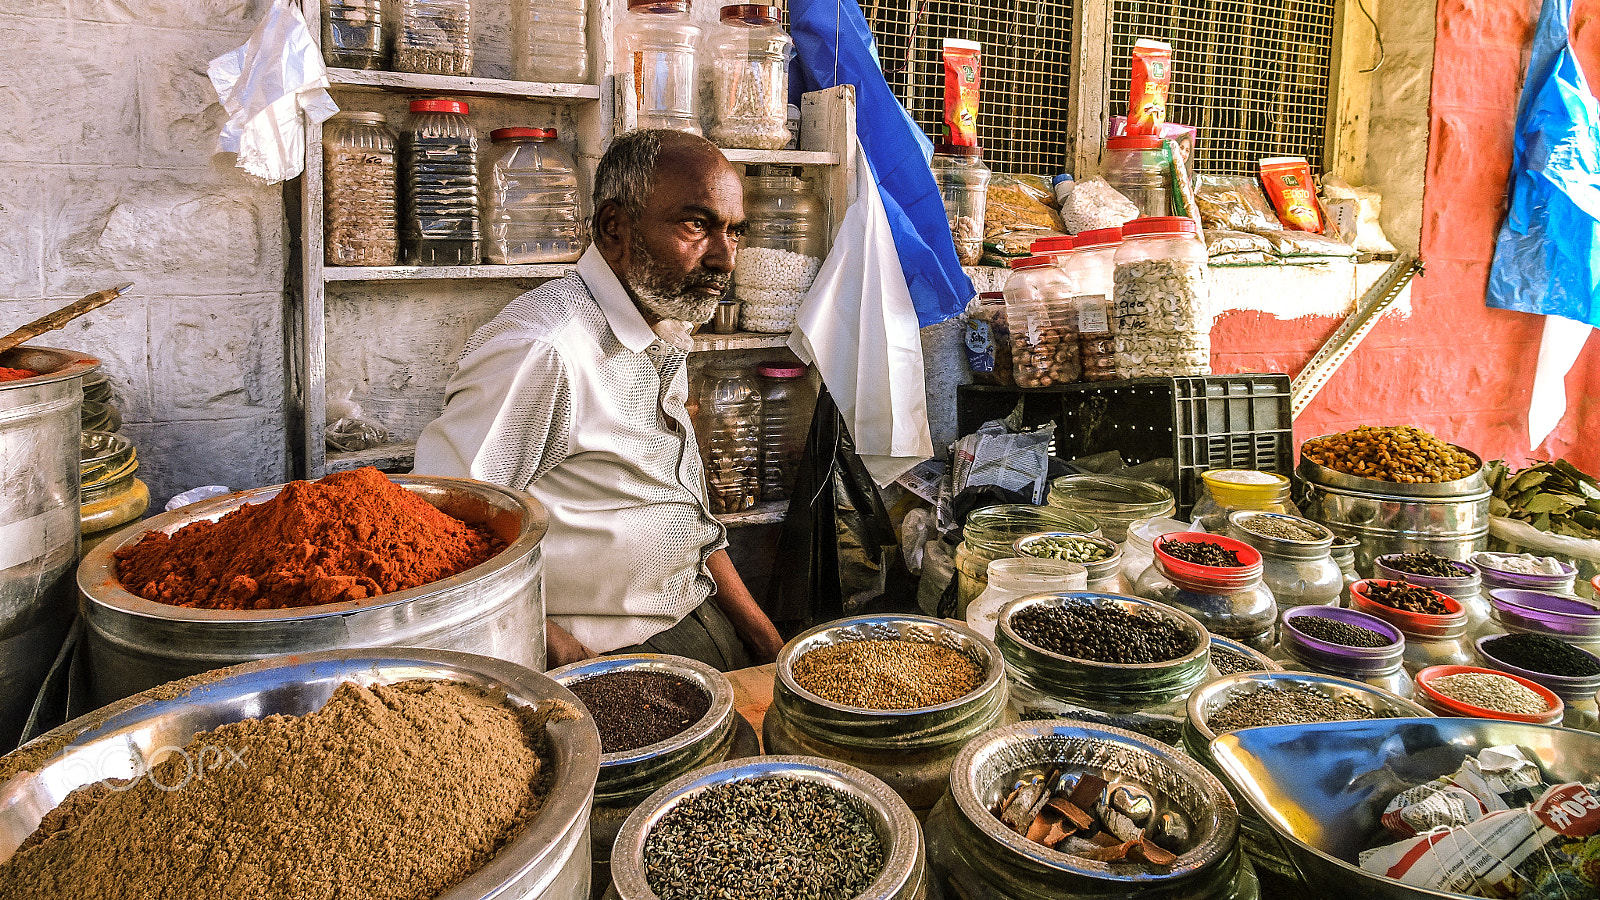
<point x="1089" y="269"/>
<point x="1572" y="673"/>
<point x="1432" y="638"/>
<point x="1112" y="501"/>
<point x="1230" y="599"/>
<point x="531" y="209"/>
<point x="550" y="41"/>
<point x="1447" y="576"/>
<point x="1102" y="659"/>
<point x="1563" y="617"/>
<point x="1102" y="558"/>
<point x="1042" y="322"/>
<point x="989" y="534"/>
<point x="727" y="424"/>
<point x="1161" y="299"/>
<point x="1295" y="561"/>
<point x="1136" y="165"/>
<point x="987" y="340"/>
<point x="432" y="37"/>
<point x="963" y="182"/>
<point x="786" y="406"/>
<point x="352" y="34"/>
<point x="782" y="249"/>
<point x="1524" y="571"/>
<point x="1344" y="643"/>
<point x="358" y="191"/>
<point x="1229" y="490"/>
<point x="750" y="55"/>
<point x="659" y="50"/>
<point x="439" y="186"/>
<point x="1479" y="693"/>
<point x="1015" y="577"/>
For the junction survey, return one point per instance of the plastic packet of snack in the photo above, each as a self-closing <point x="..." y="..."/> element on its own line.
<point x="1014" y="203"/>
<point x="1222" y="260"/>
<point x="1287" y="180"/>
<point x="1150" y="75"/>
<point x="1497" y="778"/>
<point x="961" y="62"/>
<point x="1093" y="204"/>
<point x="1233" y="203"/>
<point x="987" y="340"/>
<point x="1225" y="243"/>
<point x="1017" y="242"/>
<point x="1295" y="246"/>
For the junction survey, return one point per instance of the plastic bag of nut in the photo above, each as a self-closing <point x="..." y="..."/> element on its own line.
<point x="988" y="340"/>
<point x="1044" y="339"/>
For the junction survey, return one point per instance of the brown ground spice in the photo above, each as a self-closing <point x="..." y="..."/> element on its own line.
<point x="349" y="536"/>
<point x="394" y="792"/>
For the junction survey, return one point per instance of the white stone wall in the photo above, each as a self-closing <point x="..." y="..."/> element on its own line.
<point x="107" y="123"/>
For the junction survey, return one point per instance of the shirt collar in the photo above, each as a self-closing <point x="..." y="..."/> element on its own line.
<point x="626" y="322"/>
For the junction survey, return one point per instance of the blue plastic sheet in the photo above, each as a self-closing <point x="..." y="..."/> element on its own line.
<point x="1545" y="260"/>
<point x="834" y="45"/>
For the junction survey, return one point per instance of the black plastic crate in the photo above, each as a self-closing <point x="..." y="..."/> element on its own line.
<point x="1201" y="422"/>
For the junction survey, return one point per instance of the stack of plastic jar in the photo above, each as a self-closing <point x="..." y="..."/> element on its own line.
<point x="358" y="185"/>
<point x="1231" y="601"/>
<point x="1498" y="571"/>
<point x="432" y="37"/>
<point x="727" y="423"/>
<point x="1011" y="578"/>
<point x="963" y="182"/>
<point x="1136" y="165"/>
<point x="750" y="55"/>
<point x="1089" y="269"/>
<point x="989" y="534"/>
<point x="660" y="46"/>
<point x="550" y="41"/>
<point x="1431" y="640"/>
<point x="782" y="250"/>
<point x="1295" y="561"/>
<point x="785" y="418"/>
<point x="1467" y="588"/>
<point x="532" y="210"/>
<point x="352" y="34"/>
<point x="1112" y="501"/>
<point x="1162" y="299"/>
<point x="1382" y="667"/>
<point x="1043" y="323"/>
<point x="439" y="186"/>
<point x="1229" y="490"/>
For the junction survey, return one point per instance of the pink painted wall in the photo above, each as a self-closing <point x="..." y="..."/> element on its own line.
<point x="1454" y="367"/>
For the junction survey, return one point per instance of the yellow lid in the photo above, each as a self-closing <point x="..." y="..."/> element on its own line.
<point x="1242" y="487"/>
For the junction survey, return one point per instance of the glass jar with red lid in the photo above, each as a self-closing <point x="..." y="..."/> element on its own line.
<point x="1230" y="600"/>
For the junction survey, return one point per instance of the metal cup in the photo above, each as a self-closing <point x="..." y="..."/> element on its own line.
<point x="726" y="319"/>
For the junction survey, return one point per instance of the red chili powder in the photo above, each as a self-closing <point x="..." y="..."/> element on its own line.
<point x="16" y="374"/>
<point x="349" y="536"/>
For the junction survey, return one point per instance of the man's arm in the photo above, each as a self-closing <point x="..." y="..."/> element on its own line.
<point x="561" y="648"/>
<point x="748" y="619"/>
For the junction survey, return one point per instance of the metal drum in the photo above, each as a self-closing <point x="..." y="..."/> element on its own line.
<point x="1450" y="518"/>
<point x="549" y="860"/>
<point x="493" y="609"/>
<point x="39" y="435"/>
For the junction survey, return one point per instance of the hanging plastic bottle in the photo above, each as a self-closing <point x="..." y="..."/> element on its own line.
<point x="550" y="41"/>
<point x="659" y="49"/>
<point x="532" y="214"/>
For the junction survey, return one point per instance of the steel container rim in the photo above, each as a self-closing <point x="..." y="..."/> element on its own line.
<point x="68" y="364"/>
<point x="575" y="743"/>
<point x="889" y="729"/>
<point x="1267" y="663"/>
<point x="904" y="866"/>
<point x="99" y="585"/>
<point x="1283" y="548"/>
<point x="1208" y="697"/>
<point x="1469" y="487"/>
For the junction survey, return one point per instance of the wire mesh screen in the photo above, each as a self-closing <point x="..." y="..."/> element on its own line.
<point x="1252" y="75"/>
<point x="1027" y="60"/>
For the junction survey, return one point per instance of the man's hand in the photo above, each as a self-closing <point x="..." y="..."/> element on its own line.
<point x="562" y="649"/>
<point x="757" y="632"/>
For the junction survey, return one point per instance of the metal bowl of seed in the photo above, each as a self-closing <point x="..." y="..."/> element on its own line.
<point x="687" y="848"/>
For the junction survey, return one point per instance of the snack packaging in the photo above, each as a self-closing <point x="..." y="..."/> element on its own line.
<point x="1092" y="205"/>
<point x="988" y="341"/>
<point x="1228" y="243"/>
<point x="1498" y="778"/>
<point x="1186" y="135"/>
<point x="1233" y="203"/>
<point x="1150" y="76"/>
<point x="1288" y="182"/>
<point x="961" y="66"/>
<point x="1019" y="202"/>
<point x="1303" y="246"/>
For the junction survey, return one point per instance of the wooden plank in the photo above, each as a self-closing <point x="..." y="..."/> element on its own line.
<point x="1088" y="115"/>
<point x="430" y="273"/>
<point x="828" y="124"/>
<point x="384" y="456"/>
<point x="412" y="83"/>
<point x="1349" y="92"/>
<point x="739" y="340"/>
<point x="784" y="157"/>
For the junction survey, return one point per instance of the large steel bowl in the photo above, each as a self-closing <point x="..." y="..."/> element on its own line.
<point x="549" y="860"/>
<point x="1321" y="788"/>
<point x="493" y="609"/>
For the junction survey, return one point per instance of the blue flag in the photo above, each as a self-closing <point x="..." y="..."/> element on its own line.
<point x="833" y="45"/>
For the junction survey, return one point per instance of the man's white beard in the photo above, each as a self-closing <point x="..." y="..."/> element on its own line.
<point x="681" y="300"/>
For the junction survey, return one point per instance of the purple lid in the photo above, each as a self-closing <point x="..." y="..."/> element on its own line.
<point x="1317" y="653"/>
<point x="1553" y="614"/>
<point x="1469" y="574"/>
<point x="1567" y="687"/>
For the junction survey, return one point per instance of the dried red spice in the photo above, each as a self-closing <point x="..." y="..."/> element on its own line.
<point x="349" y="536"/>
<point x="16" y="374"/>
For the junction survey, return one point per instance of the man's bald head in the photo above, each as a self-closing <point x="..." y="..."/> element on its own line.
<point x="628" y="171"/>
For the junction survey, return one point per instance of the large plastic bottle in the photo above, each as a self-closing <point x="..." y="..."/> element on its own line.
<point x="749" y="65"/>
<point x="439" y="186"/>
<point x="786" y="407"/>
<point x="531" y="199"/>
<point x="550" y="41"/>
<point x="727" y="424"/>
<point x="431" y="37"/>
<point x="659" y="47"/>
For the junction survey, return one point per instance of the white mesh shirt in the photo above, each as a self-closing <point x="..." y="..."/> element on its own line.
<point x="570" y="396"/>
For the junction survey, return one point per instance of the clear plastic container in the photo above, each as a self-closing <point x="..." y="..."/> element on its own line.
<point x="1431" y="640"/>
<point x="358" y="191"/>
<point x="353" y="34"/>
<point x="963" y="182"/>
<point x="1043" y="324"/>
<point x="1112" y="501"/>
<point x="550" y="41"/>
<point x="1105" y="574"/>
<point x="782" y="250"/>
<point x="1161" y="299"/>
<point x="1089" y="268"/>
<point x="1561" y="616"/>
<point x="659" y="47"/>
<point x="727" y="425"/>
<point x="439" y="223"/>
<point x="1492" y="568"/>
<point x="1136" y="165"/>
<point x="786" y="406"/>
<point x="1343" y="552"/>
<point x="1018" y="577"/>
<point x="1466" y="588"/>
<point x="1382" y="667"/>
<point x="1300" y="572"/>
<point x="1138" y="550"/>
<point x="1230" y="490"/>
<point x="431" y="37"/>
<point x="750" y="55"/>
<point x="1231" y="601"/>
<point x="989" y="534"/>
<point x="532" y="209"/>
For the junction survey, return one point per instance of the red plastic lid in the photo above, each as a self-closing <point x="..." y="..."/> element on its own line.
<point x="458" y="107"/>
<point x="658" y="6"/>
<point x="1050" y="245"/>
<point x="750" y="14"/>
<point x="1099" y="237"/>
<point x="1425" y="678"/>
<point x="1249" y="557"/>
<point x="992" y="295"/>
<point x="1402" y="618"/>
<point x="778" y="369"/>
<point x="957" y="150"/>
<point x="1134" y="142"/>
<point x="520" y="134"/>
<point x="1032" y="262"/>
<point x="1159" y="225"/>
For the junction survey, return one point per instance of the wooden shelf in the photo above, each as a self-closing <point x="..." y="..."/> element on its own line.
<point x="384" y="456"/>
<point x="410" y="83"/>
<point x="427" y="273"/>
<point x="739" y="340"/>
<point x="760" y="514"/>
<point x="784" y="157"/>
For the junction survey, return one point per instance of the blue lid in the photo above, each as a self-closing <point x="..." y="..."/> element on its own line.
<point x="1059" y="178"/>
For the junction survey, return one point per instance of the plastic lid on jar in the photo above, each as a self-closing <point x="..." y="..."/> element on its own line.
<point x="780" y="370"/>
<point x="1134" y="142"/>
<point x="1050" y="245"/>
<point x="1451" y="706"/>
<point x="365" y="118"/>
<point x="658" y="6"/>
<point x="1246" y="572"/>
<point x="992" y="296"/>
<point x="750" y="14"/>
<point x="1098" y="237"/>
<point x="1031" y="262"/>
<point x="455" y="107"/>
<point x="1159" y="225"/>
<point x="520" y="134"/>
<point x="957" y="150"/>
